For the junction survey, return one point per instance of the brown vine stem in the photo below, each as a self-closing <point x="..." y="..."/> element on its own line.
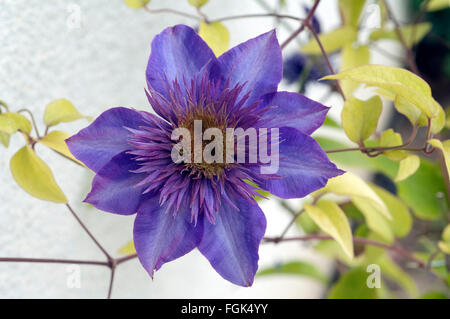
<point x="258" y="15"/>
<point x="111" y="281"/>
<point x="173" y="11"/>
<point x="399" y="251"/>
<point x="108" y="256"/>
<point x="380" y="149"/>
<point x="302" y="27"/>
<point x="126" y="258"/>
<point x="53" y="261"/>
<point x="409" y="54"/>
<point x="325" y="56"/>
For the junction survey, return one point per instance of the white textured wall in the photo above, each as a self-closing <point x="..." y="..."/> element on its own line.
<point x="102" y="65"/>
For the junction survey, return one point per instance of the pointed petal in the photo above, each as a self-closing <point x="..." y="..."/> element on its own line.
<point x="106" y="137"/>
<point x="257" y="62"/>
<point x="177" y="52"/>
<point x="303" y="166"/>
<point x="160" y="236"/>
<point x="294" y="110"/>
<point x="231" y="243"/>
<point x="114" y="187"/>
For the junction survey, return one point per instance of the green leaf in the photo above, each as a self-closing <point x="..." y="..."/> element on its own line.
<point x="61" y="111"/>
<point x="351" y="11"/>
<point x="216" y="35"/>
<point x="435" y="5"/>
<point x="56" y="140"/>
<point x="136" y="4"/>
<point x="294" y="268"/>
<point x="360" y="118"/>
<point x="128" y="249"/>
<point x="35" y="177"/>
<point x="330" y="122"/>
<point x="331" y="41"/>
<point x="389" y="138"/>
<point x="396" y="80"/>
<point x="434" y="294"/>
<point x="198" y="3"/>
<point x="396" y="274"/>
<point x="264" y="194"/>
<point x="332" y="220"/>
<point x="352" y="57"/>
<point x="353" y="285"/>
<point x="444" y="147"/>
<point x="408" y="166"/>
<point x="401" y="222"/>
<point x="352" y="185"/>
<point x="419" y="31"/>
<point x="424" y="191"/>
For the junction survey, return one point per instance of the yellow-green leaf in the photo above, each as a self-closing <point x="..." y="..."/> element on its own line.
<point x="417" y="117"/>
<point x="352" y="57"/>
<point x="444" y="244"/>
<point x="435" y="5"/>
<point x="128" y="249"/>
<point x="6" y="125"/>
<point x="136" y="4"/>
<point x="352" y="185"/>
<point x="408" y="166"/>
<point x="351" y="11"/>
<point x="4" y="139"/>
<point x="56" y="140"/>
<point x="216" y="35"/>
<point x="332" y="220"/>
<point x="389" y="138"/>
<point x="198" y="3"/>
<point x="61" y="111"/>
<point x="401" y="221"/>
<point x="12" y="122"/>
<point x="408" y="32"/>
<point x="396" y="80"/>
<point x="35" y="177"/>
<point x="360" y="118"/>
<point x="331" y="41"/>
<point x="445" y="149"/>
<point x="412" y="112"/>
<point x="374" y="219"/>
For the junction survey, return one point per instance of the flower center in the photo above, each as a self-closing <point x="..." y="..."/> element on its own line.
<point x="207" y="154"/>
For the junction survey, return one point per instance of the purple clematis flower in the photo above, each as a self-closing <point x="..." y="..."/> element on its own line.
<point x="182" y="206"/>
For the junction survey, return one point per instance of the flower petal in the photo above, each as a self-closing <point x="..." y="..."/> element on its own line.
<point x="257" y="62"/>
<point x="231" y="243"/>
<point x="303" y="166"/>
<point x="160" y="237"/>
<point x="178" y="52"/>
<point x="294" y="110"/>
<point x="106" y="137"/>
<point x="114" y="187"/>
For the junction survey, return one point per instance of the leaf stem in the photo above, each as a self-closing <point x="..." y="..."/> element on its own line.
<point x="32" y="120"/>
